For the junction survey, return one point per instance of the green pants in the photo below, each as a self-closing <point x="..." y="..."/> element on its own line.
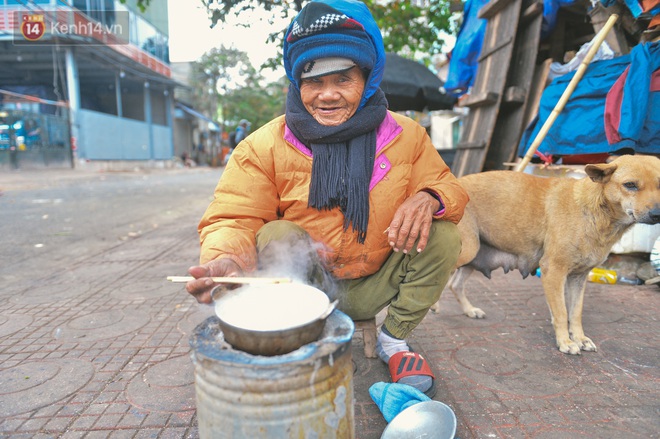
<point x="408" y="283"/>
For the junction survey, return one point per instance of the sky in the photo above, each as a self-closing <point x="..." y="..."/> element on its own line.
<point x="191" y="35"/>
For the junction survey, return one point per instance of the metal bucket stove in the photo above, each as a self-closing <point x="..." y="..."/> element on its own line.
<point x="307" y="393"/>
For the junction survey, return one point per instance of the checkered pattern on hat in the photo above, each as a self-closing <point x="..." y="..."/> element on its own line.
<point x="317" y="18"/>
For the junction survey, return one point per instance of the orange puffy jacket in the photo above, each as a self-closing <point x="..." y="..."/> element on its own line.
<point x="268" y="177"/>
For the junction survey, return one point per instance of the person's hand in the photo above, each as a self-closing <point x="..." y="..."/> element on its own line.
<point x="412" y="220"/>
<point x="202" y="285"/>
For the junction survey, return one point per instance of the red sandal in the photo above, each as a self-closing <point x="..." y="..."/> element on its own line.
<point x="403" y="364"/>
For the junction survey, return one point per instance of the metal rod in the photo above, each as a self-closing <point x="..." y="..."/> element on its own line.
<point x="236" y="280"/>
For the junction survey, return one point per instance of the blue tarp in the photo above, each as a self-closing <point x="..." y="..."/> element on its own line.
<point x="580" y="127"/>
<point x="634" y="7"/>
<point x="550" y="11"/>
<point x="465" y="55"/>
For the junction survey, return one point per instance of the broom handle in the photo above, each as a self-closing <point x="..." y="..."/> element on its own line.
<point x="598" y="40"/>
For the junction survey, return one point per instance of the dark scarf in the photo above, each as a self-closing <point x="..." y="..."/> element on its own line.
<point x="342" y="157"/>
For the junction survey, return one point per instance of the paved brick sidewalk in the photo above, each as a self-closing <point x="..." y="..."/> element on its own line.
<point x="101" y="350"/>
<point x="505" y="379"/>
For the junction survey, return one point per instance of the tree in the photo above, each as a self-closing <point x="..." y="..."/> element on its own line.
<point x="214" y="75"/>
<point x="227" y="85"/>
<point x="408" y="26"/>
<point x="257" y="104"/>
<point x="412" y="26"/>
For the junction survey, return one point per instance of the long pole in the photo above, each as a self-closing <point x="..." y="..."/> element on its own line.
<point x="598" y="40"/>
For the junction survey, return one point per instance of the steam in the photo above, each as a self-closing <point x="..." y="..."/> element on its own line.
<point x="296" y="257"/>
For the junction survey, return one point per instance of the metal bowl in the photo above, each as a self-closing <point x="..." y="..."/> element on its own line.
<point x="428" y="420"/>
<point x="272" y="319"/>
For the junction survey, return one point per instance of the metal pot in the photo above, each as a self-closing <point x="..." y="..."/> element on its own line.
<point x="272" y="319"/>
<point x="427" y="419"/>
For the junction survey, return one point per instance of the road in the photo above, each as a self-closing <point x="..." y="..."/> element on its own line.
<point x="94" y="342"/>
<point x="51" y="219"/>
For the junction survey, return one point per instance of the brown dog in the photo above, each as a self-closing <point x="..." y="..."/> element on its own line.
<point x="566" y="226"/>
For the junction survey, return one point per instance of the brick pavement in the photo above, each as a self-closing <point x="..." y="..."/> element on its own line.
<point x="504" y="377"/>
<point x="103" y="353"/>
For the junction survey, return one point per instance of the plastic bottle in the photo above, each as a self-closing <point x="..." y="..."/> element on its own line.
<point x="602" y="276"/>
<point x="629" y="281"/>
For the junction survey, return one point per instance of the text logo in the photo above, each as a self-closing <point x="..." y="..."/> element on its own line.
<point x="32" y="26"/>
<point x="68" y="27"/>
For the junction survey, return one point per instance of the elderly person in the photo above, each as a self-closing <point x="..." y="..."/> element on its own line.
<point x="339" y="192"/>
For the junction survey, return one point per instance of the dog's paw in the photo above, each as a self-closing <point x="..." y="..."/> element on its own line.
<point x="583" y="342"/>
<point x="475" y="313"/>
<point x="587" y="345"/>
<point x="569" y="347"/>
<point x="435" y="308"/>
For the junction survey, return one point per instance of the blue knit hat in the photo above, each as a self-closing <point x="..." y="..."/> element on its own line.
<point x="321" y="30"/>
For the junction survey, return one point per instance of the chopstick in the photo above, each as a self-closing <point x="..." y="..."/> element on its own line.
<point x="236" y="280"/>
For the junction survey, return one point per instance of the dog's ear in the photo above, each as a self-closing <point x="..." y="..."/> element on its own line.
<point x="600" y="173"/>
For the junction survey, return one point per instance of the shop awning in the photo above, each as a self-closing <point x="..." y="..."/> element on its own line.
<point x="198" y="115"/>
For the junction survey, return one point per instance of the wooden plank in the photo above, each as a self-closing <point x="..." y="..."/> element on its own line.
<point x="510" y="121"/>
<point x="490" y="80"/>
<point x="491" y="50"/>
<point x="539" y="82"/>
<point x="471" y="145"/>
<point x="515" y="95"/>
<point x="480" y="99"/>
<point x="492" y="8"/>
<point x="531" y="12"/>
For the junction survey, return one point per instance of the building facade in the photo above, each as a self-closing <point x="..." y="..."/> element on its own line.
<point x="196" y="135"/>
<point x="85" y="83"/>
